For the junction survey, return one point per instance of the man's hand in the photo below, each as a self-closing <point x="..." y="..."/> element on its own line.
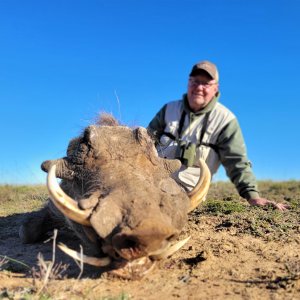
<point x="264" y="202"/>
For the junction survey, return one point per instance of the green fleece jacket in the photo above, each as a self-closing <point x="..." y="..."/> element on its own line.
<point x="230" y="147"/>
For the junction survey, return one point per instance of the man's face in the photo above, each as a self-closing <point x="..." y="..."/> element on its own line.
<point x="201" y="90"/>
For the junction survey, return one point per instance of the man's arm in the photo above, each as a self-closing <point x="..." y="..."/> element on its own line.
<point x="233" y="156"/>
<point x="157" y="125"/>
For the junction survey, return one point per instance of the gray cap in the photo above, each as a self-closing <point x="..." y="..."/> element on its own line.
<point x="206" y="66"/>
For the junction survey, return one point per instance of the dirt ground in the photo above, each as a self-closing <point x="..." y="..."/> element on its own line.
<point x="235" y="252"/>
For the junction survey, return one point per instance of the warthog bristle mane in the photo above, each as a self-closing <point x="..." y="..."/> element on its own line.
<point x="106" y="119"/>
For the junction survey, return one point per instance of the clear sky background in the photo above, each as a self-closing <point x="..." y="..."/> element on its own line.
<point x="63" y="61"/>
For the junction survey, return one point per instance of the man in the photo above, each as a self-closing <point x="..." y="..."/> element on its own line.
<point x="198" y="126"/>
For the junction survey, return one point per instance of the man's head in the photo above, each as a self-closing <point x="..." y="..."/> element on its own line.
<point x="203" y="85"/>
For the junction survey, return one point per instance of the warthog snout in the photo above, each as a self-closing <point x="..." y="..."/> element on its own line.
<point x="148" y="236"/>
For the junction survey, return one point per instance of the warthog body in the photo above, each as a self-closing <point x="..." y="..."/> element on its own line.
<point x="124" y="203"/>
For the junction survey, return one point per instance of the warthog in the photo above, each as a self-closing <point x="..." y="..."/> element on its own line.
<point x="119" y="197"/>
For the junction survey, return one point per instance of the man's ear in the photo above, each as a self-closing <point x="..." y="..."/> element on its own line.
<point x="216" y="88"/>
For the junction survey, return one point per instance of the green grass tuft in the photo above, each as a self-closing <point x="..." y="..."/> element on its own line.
<point x="217" y="207"/>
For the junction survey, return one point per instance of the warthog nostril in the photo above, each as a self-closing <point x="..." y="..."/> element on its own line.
<point x="127" y="246"/>
<point x="124" y="242"/>
<point x="129" y="243"/>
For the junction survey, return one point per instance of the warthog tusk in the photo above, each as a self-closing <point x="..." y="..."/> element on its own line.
<point x="197" y="195"/>
<point x="63" y="202"/>
<point x="170" y="250"/>
<point x="94" y="261"/>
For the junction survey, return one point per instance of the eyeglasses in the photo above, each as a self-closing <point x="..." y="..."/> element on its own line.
<point x="204" y="84"/>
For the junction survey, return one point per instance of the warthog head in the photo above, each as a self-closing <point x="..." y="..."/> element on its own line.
<point x="123" y="195"/>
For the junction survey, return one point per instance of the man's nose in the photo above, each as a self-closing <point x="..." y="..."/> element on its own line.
<point x="199" y="87"/>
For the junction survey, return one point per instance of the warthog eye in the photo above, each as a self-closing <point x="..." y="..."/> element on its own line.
<point x="171" y="237"/>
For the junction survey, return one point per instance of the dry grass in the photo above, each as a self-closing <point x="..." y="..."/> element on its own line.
<point x="48" y="270"/>
<point x="21" y="198"/>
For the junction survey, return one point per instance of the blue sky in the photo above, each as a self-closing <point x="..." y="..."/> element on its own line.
<point x="62" y="62"/>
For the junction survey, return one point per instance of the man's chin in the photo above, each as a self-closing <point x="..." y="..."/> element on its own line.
<point x="196" y="105"/>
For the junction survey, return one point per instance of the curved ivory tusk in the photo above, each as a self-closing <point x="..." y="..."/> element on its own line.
<point x="170" y="250"/>
<point x="197" y="195"/>
<point x="94" y="261"/>
<point x="63" y="202"/>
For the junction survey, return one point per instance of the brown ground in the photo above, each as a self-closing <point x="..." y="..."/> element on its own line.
<point x="235" y="252"/>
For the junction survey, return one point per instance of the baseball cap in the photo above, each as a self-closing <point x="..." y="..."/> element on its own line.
<point x="206" y="66"/>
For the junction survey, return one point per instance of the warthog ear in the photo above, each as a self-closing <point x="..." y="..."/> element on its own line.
<point x="90" y="134"/>
<point x="63" y="169"/>
<point x="142" y="136"/>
